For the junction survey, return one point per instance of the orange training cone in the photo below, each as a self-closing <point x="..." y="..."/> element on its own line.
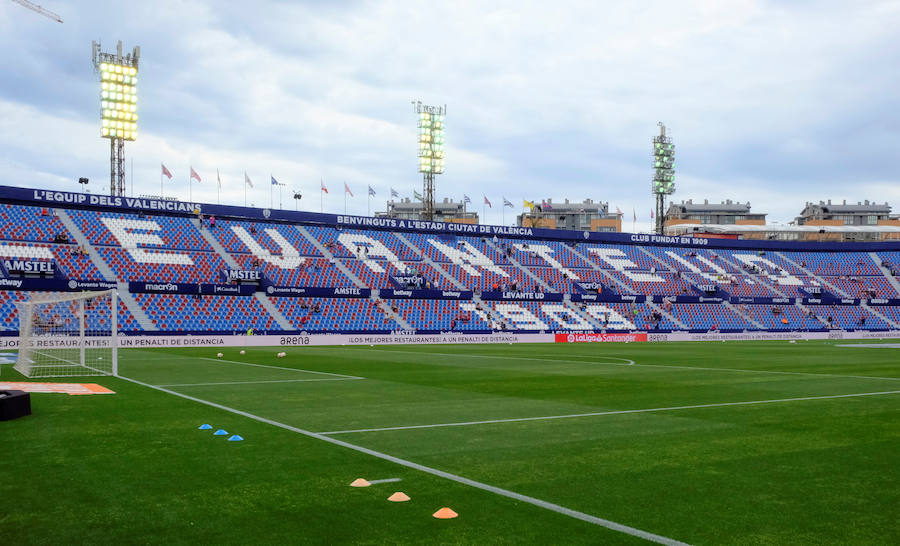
<point x="359" y="482"/>
<point x="445" y="513"/>
<point x="399" y="496"/>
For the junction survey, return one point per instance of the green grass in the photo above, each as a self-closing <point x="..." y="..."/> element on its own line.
<point x="133" y="468"/>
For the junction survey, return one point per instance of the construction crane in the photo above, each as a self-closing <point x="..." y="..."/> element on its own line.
<point x="38" y="9"/>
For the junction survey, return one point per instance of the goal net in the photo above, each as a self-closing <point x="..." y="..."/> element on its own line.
<point x="68" y="335"/>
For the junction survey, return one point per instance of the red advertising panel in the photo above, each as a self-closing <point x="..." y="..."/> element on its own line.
<point x="593" y="337"/>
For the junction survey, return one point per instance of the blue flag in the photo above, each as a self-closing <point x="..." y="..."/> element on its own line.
<point x="371" y="191"/>
<point x="275" y="182"/>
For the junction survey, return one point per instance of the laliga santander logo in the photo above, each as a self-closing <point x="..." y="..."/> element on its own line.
<point x="571" y="338"/>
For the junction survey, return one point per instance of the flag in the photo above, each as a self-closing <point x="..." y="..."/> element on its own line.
<point x="528" y="204"/>
<point x="394" y="193"/>
<point x="466" y="199"/>
<point x="195" y="175"/>
<point x="633" y="215"/>
<point x="347" y="189"/>
<point x="371" y="191"/>
<point x="507" y="203"/>
<point x="417" y="196"/>
<point x="546" y="206"/>
<point x="247" y="180"/>
<point x="486" y="202"/>
<point x="219" y="178"/>
<point x="618" y="210"/>
<point x="274" y="182"/>
<point x="166" y="171"/>
<point x="322" y="185"/>
<point x="651" y="214"/>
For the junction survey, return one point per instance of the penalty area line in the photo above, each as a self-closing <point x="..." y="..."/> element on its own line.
<point x="614" y="412"/>
<point x="632" y="363"/>
<point x="274" y="367"/>
<point x="612" y="525"/>
<point x="264" y="381"/>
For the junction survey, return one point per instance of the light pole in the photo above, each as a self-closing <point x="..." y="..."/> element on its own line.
<point x="297" y="197"/>
<point x="663" y="173"/>
<point x="84" y="182"/>
<point x="431" y="150"/>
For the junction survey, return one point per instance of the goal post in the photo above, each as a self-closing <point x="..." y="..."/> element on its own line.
<point x="68" y="335"/>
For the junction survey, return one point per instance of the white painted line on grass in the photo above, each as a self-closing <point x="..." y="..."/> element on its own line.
<point x="273" y="367"/>
<point x="870" y="345"/>
<point x="258" y="382"/>
<point x="659" y="539"/>
<point x="464" y="355"/>
<point x="386" y="480"/>
<point x="614" y="412"/>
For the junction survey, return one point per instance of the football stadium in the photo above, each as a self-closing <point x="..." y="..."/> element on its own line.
<point x="180" y="370"/>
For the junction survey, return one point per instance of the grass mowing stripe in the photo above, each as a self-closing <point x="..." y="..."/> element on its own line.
<point x="659" y="539"/>
<point x="465" y="355"/>
<point x="274" y="367"/>
<point x="614" y="412"/>
<point x="258" y="382"/>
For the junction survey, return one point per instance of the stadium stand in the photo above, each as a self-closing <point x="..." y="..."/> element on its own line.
<point x="778" y="288"/>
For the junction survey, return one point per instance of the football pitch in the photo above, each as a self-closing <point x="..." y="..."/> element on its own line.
<point x="698" y="443"/>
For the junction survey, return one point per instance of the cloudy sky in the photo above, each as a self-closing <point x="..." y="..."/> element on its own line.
<point x="776" y="103"/>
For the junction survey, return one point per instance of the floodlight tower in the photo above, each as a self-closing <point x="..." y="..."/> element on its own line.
<point x="431" y="150"/>
<point x="663" y="173"/>
<point x="118" y="106"/>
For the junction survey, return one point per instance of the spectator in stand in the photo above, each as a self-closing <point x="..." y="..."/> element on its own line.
<point x="212" y="221"/>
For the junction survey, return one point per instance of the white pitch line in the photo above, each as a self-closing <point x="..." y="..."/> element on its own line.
<point x="258" y="382"/>
<point x="614" y="412"/>
<point x="386" y="480"/>
<point x="464" y="355"/>
<point x="659" y="539"/>
<point x="274" y="367"/>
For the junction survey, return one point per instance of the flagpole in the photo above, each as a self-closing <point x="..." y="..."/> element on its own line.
<point x="160" y="183"/>
<point x="321" y="197"/>
<point x="345" y="197"/>
<point x="132" y="177"/>
<point x="369" y="205"/>
<point x="190" y="187"/>
<point x="245" y="188"/>
<point x="280" y="198"/>
<point x="270" y="195"/>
